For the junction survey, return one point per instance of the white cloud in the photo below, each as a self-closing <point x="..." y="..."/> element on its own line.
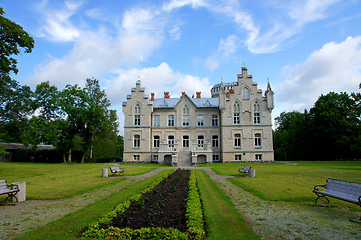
<point x="158" y="80"/>
<point x="56" y="23"/>
<point x="226" y="48"/>
<point x="174" y="4"/>
<point x="335" y="67"/>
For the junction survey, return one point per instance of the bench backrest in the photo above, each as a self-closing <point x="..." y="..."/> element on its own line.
<point x="246" y="168"/>
<point x="116" y="168"/>
<point x="3" y="185"/>
<point x="344" y="186"/>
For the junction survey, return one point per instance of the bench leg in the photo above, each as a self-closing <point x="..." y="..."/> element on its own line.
<point x="11" y="195"/>
<point x="322" y="196"/>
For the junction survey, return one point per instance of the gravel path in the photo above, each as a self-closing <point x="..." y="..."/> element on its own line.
<point x="269" y="219"/>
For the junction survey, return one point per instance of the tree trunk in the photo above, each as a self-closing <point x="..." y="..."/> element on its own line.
<point x="69" y="156"/>
<point x="83" y="157"/>
<point x="64" y="159"/>
<point x="91" y="147"/>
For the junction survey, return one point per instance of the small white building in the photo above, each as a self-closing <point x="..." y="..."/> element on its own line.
<point x="235" y="124"/>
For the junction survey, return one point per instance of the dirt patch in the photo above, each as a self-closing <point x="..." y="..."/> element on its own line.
<point x="163" y="207"/>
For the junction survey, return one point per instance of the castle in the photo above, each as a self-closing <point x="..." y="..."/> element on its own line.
<point x="233" y="125"/>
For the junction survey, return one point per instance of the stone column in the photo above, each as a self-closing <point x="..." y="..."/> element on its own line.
<point x="21" y="195"/>
<point x="252" y="173"/>
<point x="105" y="172"/>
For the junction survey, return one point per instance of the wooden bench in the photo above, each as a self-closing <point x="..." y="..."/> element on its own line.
<point x="7" y="189"/>
<point x="116" y="170"/>
<point x="342" y="190"/>
<point x="244" y="170"/>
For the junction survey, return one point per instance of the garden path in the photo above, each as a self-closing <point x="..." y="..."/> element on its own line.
<point x="269" y="219"/>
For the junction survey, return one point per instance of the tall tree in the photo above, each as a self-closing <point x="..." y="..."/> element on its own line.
<point x="73" y="103"/>
<point x="95" y="113"/>
<point x="14" y="99"/>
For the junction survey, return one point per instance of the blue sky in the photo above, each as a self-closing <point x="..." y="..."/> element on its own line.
<point x="304" y="47"/>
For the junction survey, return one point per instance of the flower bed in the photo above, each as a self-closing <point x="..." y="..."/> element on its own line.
<point x="169" y="209"/>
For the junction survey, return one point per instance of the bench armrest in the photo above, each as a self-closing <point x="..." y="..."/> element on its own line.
<point x="321" y="186"/>
<point x="13" y="187"/>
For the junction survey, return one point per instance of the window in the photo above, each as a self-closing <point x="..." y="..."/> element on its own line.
<point x="237" y="157"/>
<point x="200" y="142"/>
<point x="185" y="110"/>
<point x="136" y="142"/>
<point x="156" y="121"/>
<point x="136" y="157"/>
<point x="185" y="121"/>
<point x="258" y="157"/>
<point x="236" y="113"/>
<point x="245" y="93"/>
<point x="137" y="108"/>
<point x="215" y="142"/>
<point x="200" y="120"/>
<point x="156" y="141"/>
<point x="214" y="120"/>
<point x="155" y="158"/>
<point x="171" y="142"/>
<point x="137" y="120"/>
<point x="257" y="113"/>
<point x="185" y="141"/>
<point x="237" y="140"/>
<point x="171" y="121"/>
<point x="257" y="140"/>
<point x="215" y="158"/>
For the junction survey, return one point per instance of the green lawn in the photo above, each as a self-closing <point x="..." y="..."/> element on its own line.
<point x="292" y="182"/>
<point x="57" y="181"/>
<point x="70" y="226"/>
<point x="275" y="182"/>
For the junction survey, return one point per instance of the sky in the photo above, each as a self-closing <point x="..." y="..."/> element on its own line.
<point x="304" y="48"/>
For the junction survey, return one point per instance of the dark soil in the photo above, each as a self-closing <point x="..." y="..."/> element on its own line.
<point x="164" y="206"/>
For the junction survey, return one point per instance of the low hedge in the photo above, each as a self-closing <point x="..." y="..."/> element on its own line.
<point x="194" y="215"/>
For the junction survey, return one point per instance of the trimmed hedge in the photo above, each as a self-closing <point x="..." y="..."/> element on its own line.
<point x="194" y="216"/>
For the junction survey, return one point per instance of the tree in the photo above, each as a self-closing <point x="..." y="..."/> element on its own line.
<point x="94" y="115"/>
<point x="14" y="99"/>
<point x="73" y="103"/>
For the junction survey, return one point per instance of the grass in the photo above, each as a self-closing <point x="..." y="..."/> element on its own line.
<point x="58" y="181"/>
<point x="70" y="226"/>
<point x="222" y="219"/>
<point x="293" y="183"/>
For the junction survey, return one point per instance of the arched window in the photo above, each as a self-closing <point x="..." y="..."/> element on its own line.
<point x="257" y="140"/>
<point x="237" y="140"/>
<point x="236" y="113"/>
<point x="136" y="142"/>
<point x="257" y="112"/>
<point x="246" y="93"/>
<point x="185" y="110"/>
<point x="185" y="116"/>
<point x="200" y="120"/>
<point x="137" y="108"/>
<point x="137" y="115"/>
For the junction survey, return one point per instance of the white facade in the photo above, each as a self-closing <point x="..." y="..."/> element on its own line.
<point x="234" y="125"/>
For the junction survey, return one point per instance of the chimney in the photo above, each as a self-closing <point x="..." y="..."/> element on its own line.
<point x="183" y="93"/>
<point x="152" y="97"/>
<point x="198" y="94"/>
<point x="166" y="95"/>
